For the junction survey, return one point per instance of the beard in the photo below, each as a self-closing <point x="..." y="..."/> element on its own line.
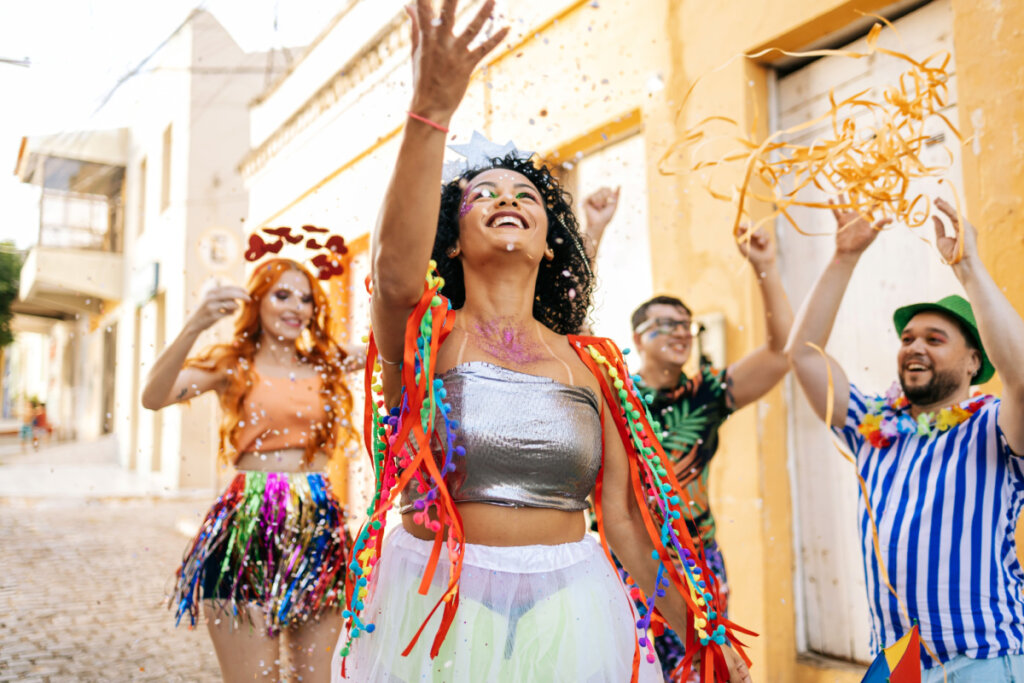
<point x="943" y="384"/>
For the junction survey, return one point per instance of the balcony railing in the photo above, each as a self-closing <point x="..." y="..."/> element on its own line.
<point x="80" y="221"/>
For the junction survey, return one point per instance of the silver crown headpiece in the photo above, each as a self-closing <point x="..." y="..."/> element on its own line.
<point x="477" y="153"/>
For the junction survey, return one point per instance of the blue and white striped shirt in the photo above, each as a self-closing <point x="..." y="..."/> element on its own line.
<point x="946" y="507"/>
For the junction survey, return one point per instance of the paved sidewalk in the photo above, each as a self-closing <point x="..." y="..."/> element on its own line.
<point x="70" y="469"/>
<point x="87" y="555"/>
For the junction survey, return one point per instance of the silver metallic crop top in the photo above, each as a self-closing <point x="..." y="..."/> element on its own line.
<point x="530" y="441"/>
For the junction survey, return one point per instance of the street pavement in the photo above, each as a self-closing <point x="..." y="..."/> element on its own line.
<point x="87" y="556"/>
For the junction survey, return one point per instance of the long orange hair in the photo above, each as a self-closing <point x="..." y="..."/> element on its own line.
<point x="314" y="346"/>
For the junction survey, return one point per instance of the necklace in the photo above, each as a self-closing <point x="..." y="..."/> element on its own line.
<point x="887" y="417"/>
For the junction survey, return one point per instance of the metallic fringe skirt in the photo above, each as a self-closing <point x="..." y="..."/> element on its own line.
<point x="276" y="540"/>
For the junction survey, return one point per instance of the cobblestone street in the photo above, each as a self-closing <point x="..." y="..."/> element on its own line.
<point x="82" y="586"/>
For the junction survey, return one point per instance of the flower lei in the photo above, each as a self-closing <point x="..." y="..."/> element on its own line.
<point x="886" y="417"/>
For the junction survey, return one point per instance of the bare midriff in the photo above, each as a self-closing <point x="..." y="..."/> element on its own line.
<point x="282" y="460"/>
<point x="498" y="525"/>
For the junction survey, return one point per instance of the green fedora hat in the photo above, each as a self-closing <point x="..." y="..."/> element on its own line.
<point x="958" y="307"/>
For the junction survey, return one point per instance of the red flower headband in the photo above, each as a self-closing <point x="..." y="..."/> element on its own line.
<point x="329" y="263"/>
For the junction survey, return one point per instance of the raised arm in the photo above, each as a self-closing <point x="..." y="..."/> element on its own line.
<point x="442" y="65"/>
<point x="752" y="376"/>
<point x="169" y="381"/>
<point x="817" y="315"/>
<point x="999" y="324"/>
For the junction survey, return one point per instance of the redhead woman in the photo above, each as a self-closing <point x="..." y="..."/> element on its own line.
<point x="269" y="560"/>
<point x="495" y="424"/>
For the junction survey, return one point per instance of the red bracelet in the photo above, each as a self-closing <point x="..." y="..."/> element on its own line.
<point x="424" y="119"/>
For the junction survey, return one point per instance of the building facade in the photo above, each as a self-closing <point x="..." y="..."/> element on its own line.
<point x="600" y="89"/>
<point x="134" y="223"/>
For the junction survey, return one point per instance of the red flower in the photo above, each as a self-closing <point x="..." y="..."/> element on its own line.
<point x="258" y="248"/>
<point x="327" y="266"/>
<point x="877" y="440"/>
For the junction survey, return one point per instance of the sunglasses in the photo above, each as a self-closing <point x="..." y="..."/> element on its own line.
<point x="687" y="328"/>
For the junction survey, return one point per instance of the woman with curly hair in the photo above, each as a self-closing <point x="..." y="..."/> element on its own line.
<point x="270" y="555"/>
<point x="495" y="422"/>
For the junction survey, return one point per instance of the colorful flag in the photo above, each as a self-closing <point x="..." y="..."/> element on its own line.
<point x="898" y="663"/>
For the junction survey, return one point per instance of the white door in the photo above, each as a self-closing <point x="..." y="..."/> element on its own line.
<point x="899" y="268"/>
<point x="624" y="260"/>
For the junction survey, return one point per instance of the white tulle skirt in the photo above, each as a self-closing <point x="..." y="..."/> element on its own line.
<point x="526" y="614"/>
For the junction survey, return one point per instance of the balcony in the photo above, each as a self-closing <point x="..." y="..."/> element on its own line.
<point x="76" y="264"/>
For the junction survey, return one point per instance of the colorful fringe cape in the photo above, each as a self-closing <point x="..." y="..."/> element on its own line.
<point x="399" y="445"/>
<point x="276" y="539"/>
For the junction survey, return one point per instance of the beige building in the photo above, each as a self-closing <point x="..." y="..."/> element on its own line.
<point x="597" y="87"/>
<point x="133" y="222"/>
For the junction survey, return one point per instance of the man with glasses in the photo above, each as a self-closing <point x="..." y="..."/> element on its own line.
<point x="691" y="409"/>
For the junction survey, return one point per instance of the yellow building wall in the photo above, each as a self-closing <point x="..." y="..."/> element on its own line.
<point x="575" y="67"/>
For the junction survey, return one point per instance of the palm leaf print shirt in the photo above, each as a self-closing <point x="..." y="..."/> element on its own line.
<point x="690" y="415"/>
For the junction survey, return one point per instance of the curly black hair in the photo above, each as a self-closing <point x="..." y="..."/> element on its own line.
<point x="565" y="285"/>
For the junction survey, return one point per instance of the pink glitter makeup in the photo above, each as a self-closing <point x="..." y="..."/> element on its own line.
<point x="507" y="342"/>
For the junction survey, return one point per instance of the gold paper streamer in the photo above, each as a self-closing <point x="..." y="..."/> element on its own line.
<point x="871" y="165"/>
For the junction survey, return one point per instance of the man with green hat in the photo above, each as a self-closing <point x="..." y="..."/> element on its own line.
<point x="940" y="467"/>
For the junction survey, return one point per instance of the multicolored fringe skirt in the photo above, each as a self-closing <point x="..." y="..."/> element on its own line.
<point x="526" y="613"/>
<point x="273" y="539"/>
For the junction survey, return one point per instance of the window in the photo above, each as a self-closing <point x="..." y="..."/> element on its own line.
<point x="142" y="198"/>
<point x="165" y="179"/>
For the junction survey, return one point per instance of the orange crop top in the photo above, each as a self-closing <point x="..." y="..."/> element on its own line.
<point x="279" y="413"/>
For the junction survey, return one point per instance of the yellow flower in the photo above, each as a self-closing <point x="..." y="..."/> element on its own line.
<point x="951" y="417"/>
<point x="870" y="425"/>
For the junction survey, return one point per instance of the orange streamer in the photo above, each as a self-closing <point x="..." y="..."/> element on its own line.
<point x="872" y="164"/>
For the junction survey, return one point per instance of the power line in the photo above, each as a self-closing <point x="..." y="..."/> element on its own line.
<point x="138" y="68"/>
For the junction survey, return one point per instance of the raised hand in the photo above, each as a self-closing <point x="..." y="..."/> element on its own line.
<point x="599" y="208"/>
<point x="442" y="62"/>
<point x="217" y="303"/>
<point x="758" y="247"/>
<point x="963" y="243"/>
<point x="854" y="231"/>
